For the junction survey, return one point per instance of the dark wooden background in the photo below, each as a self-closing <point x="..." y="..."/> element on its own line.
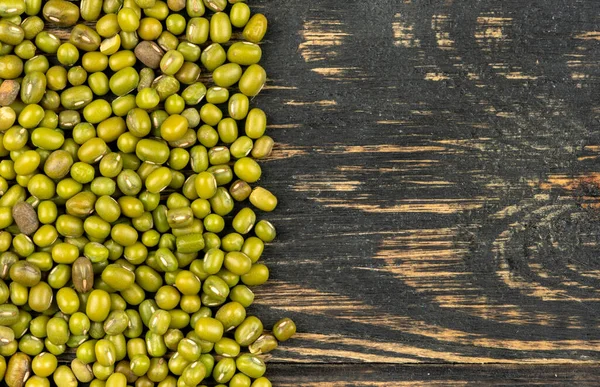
<point x="439" y="191"/>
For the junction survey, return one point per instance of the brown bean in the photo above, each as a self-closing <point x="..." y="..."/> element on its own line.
<point x="26" y="218"/>
<point x="82" y="274"/>
<point x="9" y="90"/>
<point x="149" y="53"/>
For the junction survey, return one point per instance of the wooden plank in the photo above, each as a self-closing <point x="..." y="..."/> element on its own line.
<point x="436" y="168"/>
<point x="431" y="375"/>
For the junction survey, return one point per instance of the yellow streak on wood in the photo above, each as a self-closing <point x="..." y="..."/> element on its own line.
<point x="366" y="149"/>
<point x="506" y="212"/>
<point x="438" y="24"/>
<point x="506" y="115"/>
<point x="585" y="272"/>
<point x="491" y="27"/>
<point x="413" y="246"/>
<point x="490" y="32"/>
<point x="592" y="148"/>
<point x="399" y="349"/>
<point x="322" y="103"/>
<point x="285" y="151"/>
<point x="426" y="260"/>
<point x="333" y="184"/>
<point x="422" y="112"/>
<point x="284" y="126"/>
<point x="433" y="182"/>
<point x="480" y="126"/>
<point x="436" y="77"/>
<point x="388" y="148"/>
<point x="417" y="163"/>
<point x="392" y="122"/>
<point x="519" y="75"/>
<point x="472" y="143"/>
<point x="320" y="37"/>
<point x="403" y="33"/>
<point x="567" y="181"/>
<point x="538" y="269"/>
<point x="364" y="169"/>
<point x="578" y="76"/>
<point x="583" y="158"/>
<point x="292" y="297"/>
<point x="528" y="286"/>
<point x="331" y="71"/>
<point x="273" y="87"/>
<point x="494" y="20"/>
<point x="436" y="206"/>
<point x="340" y="344"/>
<point x="589" y="35"/>
<point x="290" y="150"/>
<point x="340" y="73"/>
<point x="479" y="306"/>
<point x="371" y="383"/>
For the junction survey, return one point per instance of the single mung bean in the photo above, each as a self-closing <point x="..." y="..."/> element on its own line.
<point x="284" y="329"/>
<point x="191" y="52"/>
<point x="149" y="29"/>
<point x="61" y="12"/>
<point x="11" y="66"/>
<point x="67" y="54"/>
<point x="11" y="8"/>
<point x="167" y="41"/>
<point x="265" y="231"/>
<point x="239" y="14"/>
<point x="227" y="75"/>
<point x="220" y="28"/>
<point x="128" y="19"/>
<point x="47" y="42"/>
<point x="111" y="45"/>
<point x="17" y="370"/>
<point x="85" y="38"/>
<point x="194" y="93"/>
<point x="90" y="9"/>
<point x="124" y="81"/>
<point x="197" y="30"/>
<point x="251" y="365"/>
<point x="224" y="370"/>
<point x="32" y="26"/>
<point x="195" y="8"/>
<point x="256" y="28"/>
<point x="264" y="344"/>
<point x="121" y="60"/>
<point x="253" y="80"/>
<point x="238" y="106"/>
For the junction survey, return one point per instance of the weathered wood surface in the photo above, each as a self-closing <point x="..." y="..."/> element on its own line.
<point x="438" y="181"/>
<point x="385" y="375"/>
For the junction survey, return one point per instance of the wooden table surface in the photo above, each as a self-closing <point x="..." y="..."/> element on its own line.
<point x="438" y="181"/>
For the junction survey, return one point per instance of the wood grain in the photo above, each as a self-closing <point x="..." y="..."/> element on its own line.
<point x="432" y="375"/>
<point x="438" y="184"/>
<point x="436" y="164"/>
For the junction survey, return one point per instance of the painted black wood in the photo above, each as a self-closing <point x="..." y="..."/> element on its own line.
<point x="475" y="120"/>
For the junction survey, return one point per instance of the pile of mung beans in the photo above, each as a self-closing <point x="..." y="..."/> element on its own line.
<point x="130" y="230"/>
